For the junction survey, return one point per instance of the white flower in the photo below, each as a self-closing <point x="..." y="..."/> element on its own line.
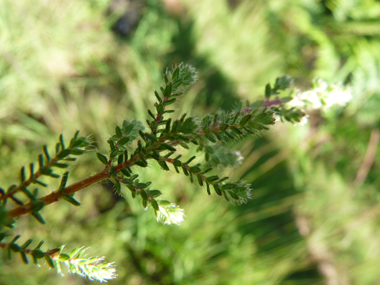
<point x="169" y="213"/>
<point x="322" y="96"/>
<point x="303" y="121"/>
<point x="338" y="96"/>
<point x="239" y="157"/>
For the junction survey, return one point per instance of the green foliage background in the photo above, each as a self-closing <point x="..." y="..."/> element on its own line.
<point x="311" y="220"/>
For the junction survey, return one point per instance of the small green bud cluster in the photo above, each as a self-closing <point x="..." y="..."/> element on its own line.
<point x="92" y="268"/>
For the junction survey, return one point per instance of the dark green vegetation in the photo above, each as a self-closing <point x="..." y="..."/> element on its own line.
<point x="314" y="210"/>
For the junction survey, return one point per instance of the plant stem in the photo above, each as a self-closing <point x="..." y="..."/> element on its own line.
<point x="104" y="174"/>
<point x="55" y="196"/>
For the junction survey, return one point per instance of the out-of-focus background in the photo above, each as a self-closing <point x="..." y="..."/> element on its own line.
<point x="87" y="65"/>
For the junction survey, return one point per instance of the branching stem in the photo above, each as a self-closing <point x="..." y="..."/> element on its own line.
<point x="55" y="196"/>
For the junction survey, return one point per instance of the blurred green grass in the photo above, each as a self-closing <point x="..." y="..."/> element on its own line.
<point x="62" y="69"/>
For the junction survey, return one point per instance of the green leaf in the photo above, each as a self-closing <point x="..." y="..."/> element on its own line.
<point x="70" y="199"/>
<point x="112" y="144"/>
<point x="74" y="252"/>
<point x="211" y="138"/>
<point x="164" y="203"/>
<point x="15" y="239"/>
<point x="185" y="171"/>
<point x="268" y="90"/>
<point x="70" y="159"/>
<point x="167" y="127"/>
<point x="286" y="99"/>
<point x="37" y="205"/>
<point x="145" y="203"/>
<point x="212" y="178"/>
<point x="190" y="160"/>
<point x="41" y="160"/>
<point x="245" y="119"/>
<point x="208" y="189"/>
<point x="117" y="187"/>
<point x="158" y="97"/>
<point x="141" y="163"/>
<point x="57" y="148"/>
<point x="31" y="169"/>
<point x="38" y="253"/>
<point x="168" y="147"/>
<point x="200" y="181"/>
<point x="125" y="155"/>
<point x="27" y="193"/>
<point x="26" y="244"/>
<point x="236" y="130"/>
<point x="128" y="127"/>
<point x="46" y="152"/>
<point x="142" y="135"/>
<point x="120" y="159"/>
<point x="64" y="153"/>
<point x="62" y="141"/>
<point x="195" y="169"/>
<point x="225" y="196"/>
<point x="15" y="247"/>
<point x="169" y="154"/>
<point x="119" y="134"/>
<point x="24" y="257"/>
<point x="64" y="257"/>
<point x="209" y="149"/>
<point x="39" y="218"/>
<point x="168" y="90"/>
<point x="170" y="102"/>
<point x="217" y="189"/>
<point x="123" y="141"/>
<point x="103" y="159"/>
<point x="77" y="151"/>
<point x="151" y="137"/>
<point x="154" y="204"/>
<point x="49" y="261"/>
<point x="175" y="74"/>
<point x="228" y="186"/>
<point x="39" y="244"/>
<point x="143" y="194"/>
<point x="114" y="153"/>
<point x="40" y="182"/>
<point x="163" y="165"/>
<point x="54" y="175"/>
<point x="113" y="172"/>
<point x="154" y="193"/>
<point x="11" y="188"/>
<point x="125" y="172"/>
<point x="191" y="177"/>
<point x="59" y="165"/>
<point x="233" y="195"/>
<point x="223" y="127"/>
<point x="22" y="174"/>
<point x="142" y="185"/>
<point x="160" y="109"/>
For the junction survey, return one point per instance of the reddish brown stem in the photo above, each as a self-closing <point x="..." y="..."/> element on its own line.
<point x="268" y="103"/>
<point x="104" y="174"/>
<point x="55" y="196"/>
